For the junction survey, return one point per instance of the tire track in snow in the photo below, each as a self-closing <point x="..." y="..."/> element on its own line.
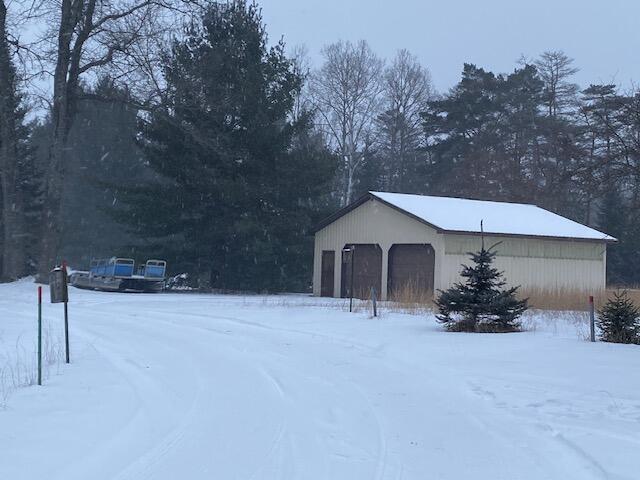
<point x="592" y="464"/>
<point x="276" y="442"/>
<point x="382" y="463"/>
<point x="382" y="456"/>
<point x="145" y="465"/>
<point x="500" y="410"/>
<point x="150" y="463"/>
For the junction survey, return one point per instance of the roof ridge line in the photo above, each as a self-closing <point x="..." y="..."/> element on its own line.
<point x="374" y="192"/>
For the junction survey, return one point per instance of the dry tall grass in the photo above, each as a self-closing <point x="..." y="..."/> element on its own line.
<point x="19" y="368"/>
<point x="412" y="300"/>
<point x="574" y="300"/>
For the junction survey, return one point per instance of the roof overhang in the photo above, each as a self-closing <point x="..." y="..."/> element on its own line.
<point x="364" y="199"/>
<point x="342" y="212"/>
<point x="540" y="237"/>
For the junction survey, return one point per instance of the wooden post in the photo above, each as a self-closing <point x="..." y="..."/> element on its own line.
<point x="592" y="318"/>
<point x="39" y="335"/>
<point x="373" y="301"/>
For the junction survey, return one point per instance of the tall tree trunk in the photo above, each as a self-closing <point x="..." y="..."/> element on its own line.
<point x="51" y="215"/>
<point x="64" y="92"/>
<point x="52" y="231"/>
<point x="13" y="253"/>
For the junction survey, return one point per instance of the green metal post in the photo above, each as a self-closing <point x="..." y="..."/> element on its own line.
<point x="66" y="331"/>
<point x="39" y="335"/>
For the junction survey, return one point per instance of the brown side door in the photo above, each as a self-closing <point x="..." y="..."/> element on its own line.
<point x="411" y="269"/>
<point x="327" y="276"/>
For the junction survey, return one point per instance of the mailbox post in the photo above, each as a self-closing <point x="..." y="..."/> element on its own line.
<point x="60" y="294"/>
<point x="39" y="335"/>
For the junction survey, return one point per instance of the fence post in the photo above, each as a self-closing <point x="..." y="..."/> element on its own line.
<point x="592" y="319"/>
<point x="353" y="253"/>
<point x="66" y="331"/>
<point x="39" y="335"/>
<point x="374" y="301"/>
<point x="66" y="310"/>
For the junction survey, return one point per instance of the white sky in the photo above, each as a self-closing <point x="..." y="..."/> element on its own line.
<point x="602" y="35"/>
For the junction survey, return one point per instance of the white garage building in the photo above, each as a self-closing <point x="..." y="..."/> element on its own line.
<point x="401" y="240"/>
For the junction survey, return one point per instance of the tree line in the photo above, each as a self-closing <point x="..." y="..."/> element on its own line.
<point x="175" y="129"/>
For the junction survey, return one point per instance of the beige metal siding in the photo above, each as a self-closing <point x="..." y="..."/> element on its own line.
<point x="372" y="222"/>
<point x="533" y="263"/>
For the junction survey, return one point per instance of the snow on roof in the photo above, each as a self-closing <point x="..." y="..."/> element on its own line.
<point x="464" y="215"/>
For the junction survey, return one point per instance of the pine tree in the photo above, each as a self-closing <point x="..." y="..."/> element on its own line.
<point x="12" y="251"/>
<point x="480" y="303"/>
<point x="103" y="159"/>
<point x="619" y="320"/>
<point x="619" y="219"/>
<point x="30" y="184"/>
<point x="238" y="180"/>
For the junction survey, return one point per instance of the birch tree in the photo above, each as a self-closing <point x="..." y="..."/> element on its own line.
<point x="406" y="90"/>
<point x="346" y="92"/>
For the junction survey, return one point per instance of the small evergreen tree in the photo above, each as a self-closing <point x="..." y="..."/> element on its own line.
<point x="619" y="320"/>
<point x="480" y="304"/>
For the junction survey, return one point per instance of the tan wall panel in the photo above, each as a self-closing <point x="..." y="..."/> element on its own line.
<point x="533" y="263"/>
<point x="537" y="273"/>
<point x="526" y="247"/>
<point x="373" y="222"/>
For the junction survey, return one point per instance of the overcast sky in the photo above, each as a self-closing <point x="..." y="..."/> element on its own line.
<point x="602" y="35"/>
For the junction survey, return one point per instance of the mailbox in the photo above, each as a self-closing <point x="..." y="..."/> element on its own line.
<point x="58" y="285"/>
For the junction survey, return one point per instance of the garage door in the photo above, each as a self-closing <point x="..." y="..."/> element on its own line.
<point x="367" y="271"/>
<point x="411" y="268"/>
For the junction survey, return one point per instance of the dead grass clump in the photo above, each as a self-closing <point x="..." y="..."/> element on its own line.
<point x="411" y="299"/>
<point x="19" y="368"/>
<point x="359" y="305"/>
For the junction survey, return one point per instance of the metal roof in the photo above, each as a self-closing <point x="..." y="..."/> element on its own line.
<point x="463" y="216"/>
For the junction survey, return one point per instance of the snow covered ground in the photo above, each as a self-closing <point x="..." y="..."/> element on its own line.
<point x="171" y="386"/>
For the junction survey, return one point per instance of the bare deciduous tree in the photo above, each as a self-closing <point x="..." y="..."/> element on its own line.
<point x="299" y="55"/>
<point x="91" y="36"/>
<point x="346" y="91"/>
<point x="407" y="89"/>
<point x="555" y="69"/>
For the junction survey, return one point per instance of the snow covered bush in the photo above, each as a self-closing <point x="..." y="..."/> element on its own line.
<point x="180" y="282"/>
<point x="619" y="320"/>
<point x="480" y="303"/>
